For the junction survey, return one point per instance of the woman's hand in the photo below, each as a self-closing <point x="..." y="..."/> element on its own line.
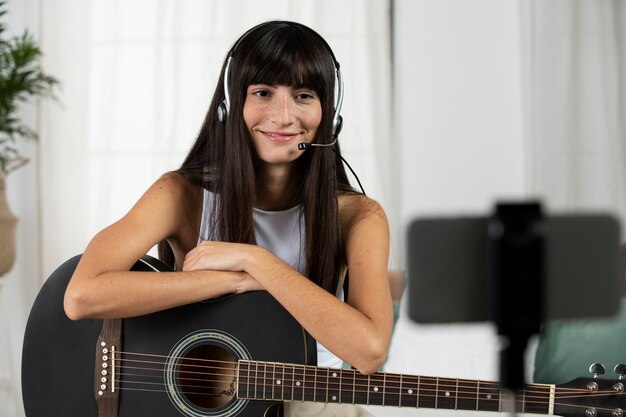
<point x="223" y="256"/>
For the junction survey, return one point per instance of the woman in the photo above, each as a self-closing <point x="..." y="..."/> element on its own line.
<point x="249" y="210"/>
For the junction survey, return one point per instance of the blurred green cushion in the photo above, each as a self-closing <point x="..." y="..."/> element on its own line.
<point x="566" y="349"/>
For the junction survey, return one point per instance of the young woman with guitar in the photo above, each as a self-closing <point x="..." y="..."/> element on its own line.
<point x="262" y="202"/>
<point x="259" y="228"/>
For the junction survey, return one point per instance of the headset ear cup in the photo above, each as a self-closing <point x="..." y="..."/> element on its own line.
<point x="222" y="112"/>
<point x="337" y="126"/>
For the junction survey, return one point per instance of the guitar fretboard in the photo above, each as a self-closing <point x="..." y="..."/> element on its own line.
<point x="257" y="380"/>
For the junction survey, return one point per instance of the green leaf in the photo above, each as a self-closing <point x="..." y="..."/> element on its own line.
<point x="21" y="79"/>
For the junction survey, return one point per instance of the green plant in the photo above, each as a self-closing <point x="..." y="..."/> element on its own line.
<point x="21" y="79"/>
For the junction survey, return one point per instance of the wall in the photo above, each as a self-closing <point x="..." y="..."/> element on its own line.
<point x="458" y="117"/>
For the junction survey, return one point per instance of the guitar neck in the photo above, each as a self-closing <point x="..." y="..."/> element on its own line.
<point x="257" y="380"/>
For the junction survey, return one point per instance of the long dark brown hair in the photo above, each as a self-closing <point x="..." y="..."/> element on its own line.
<point x="223" y="160"/>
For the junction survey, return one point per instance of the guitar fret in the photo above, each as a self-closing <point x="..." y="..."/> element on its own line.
<point x="292" y="383"/>
<point x="376" y="389"/>
<point x="417" y="398"/>
<point x="285" y="382"/>
<point x="321" y="385"/>
<point x="257" y="387"/>
<point x="384" y="387"/>
<point x="333" y="390"/>
<point x="446" y="396"/>
<point x="428" y="392"/>
<point x="309" y="384"/>
<point x="298" y="390"/>
<point x="540" y="399"/>
<point x="409" y="393"/>
<point x="353" y="387"/>
<point x="282" y="385"/>
<point x="477" y="393"/>
<point x="467" y="395"/>
<point x="273" y="380"/>
<point x="347" y="386"/>
<point x="361" y="388"/>
<point x="315" y="392"/>
<point x="340" y="379"/>
<point x="393" y="389"/>
<point x="248" y="367"/>
<point x="488" y="397"/>
<point x="263" y="385"/>
<point x="239" y="376"/>
<point x="327" y="384"/>
<point x="268" y="387"/>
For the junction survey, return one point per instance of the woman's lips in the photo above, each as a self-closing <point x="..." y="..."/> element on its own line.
<point x="280" y="136"/>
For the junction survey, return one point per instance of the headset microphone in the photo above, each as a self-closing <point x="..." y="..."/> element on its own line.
<point x="305" y="146"/>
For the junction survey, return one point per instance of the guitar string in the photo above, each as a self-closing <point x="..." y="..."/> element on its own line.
<point x="390" y="384"/>
<point x="441" y="382"/>
<point x="539" y="388"/>
<point x="391" y="392"/>
<point x="382" y="400"/>
<point x="392" y="404"/>
<point x="388" y="388"/>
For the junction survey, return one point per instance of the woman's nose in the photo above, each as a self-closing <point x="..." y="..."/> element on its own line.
<point x="282" y="109"/>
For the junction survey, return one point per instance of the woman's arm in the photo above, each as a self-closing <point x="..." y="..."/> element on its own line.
<point x="102" y="285"/>
<point x="358" y="331"/>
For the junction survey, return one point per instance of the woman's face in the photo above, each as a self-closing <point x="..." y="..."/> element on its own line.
<point x="278" y="118"/>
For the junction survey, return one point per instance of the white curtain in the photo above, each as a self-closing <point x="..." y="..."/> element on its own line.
<point x="575" y="112"/>
<point x="138" y="76"/>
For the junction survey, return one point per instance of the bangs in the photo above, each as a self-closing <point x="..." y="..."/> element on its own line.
<point x="295" y="61"/>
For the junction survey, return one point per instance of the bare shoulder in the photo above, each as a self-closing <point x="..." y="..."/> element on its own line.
<point x="175" y="184"/>
<point x="178" y="196"/>
<point x="172" y="193"/>
<point x="166" y="208"/>
<point x="354" y="208"/>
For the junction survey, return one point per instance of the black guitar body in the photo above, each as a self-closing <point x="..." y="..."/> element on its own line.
<point x="176" y="362"/>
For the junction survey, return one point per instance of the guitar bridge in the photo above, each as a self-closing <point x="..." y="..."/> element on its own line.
<point x="105" y="390"/>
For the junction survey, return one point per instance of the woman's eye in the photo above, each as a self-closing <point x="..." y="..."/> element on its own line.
<point x="306" y="95"/>
<point x="261" y="93"/>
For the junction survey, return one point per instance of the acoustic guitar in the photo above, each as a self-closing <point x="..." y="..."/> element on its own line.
<point x="239" y="355"/>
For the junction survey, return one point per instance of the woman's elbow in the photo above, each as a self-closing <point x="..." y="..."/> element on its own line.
<point x="74" y="305"/>
<point x="374" y="357"/>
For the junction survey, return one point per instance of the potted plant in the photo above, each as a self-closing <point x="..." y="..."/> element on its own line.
<point x="21" y="79"/>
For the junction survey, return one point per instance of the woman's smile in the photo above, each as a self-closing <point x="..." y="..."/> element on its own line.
<point x="280" y="136"/>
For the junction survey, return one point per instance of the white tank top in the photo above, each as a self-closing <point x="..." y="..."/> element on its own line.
<point x="283" y="234"/>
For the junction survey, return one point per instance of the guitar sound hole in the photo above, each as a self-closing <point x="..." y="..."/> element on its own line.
<point x="206" y="376"/>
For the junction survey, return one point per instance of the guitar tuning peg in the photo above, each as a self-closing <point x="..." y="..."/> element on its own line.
<point x="597" y="369"/>
<point x="620" y="370"/>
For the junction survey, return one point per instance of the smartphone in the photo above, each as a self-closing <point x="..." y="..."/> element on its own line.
<point x="450" y="278"/>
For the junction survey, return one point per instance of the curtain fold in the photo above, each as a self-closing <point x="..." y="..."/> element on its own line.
<point x="575" y="110"/>
<point x="138" y="76"/>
